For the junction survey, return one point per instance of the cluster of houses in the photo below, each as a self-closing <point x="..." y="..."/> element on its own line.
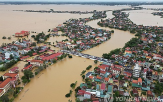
<point x="81" y="36"/>
<point x="128" y="80"/>
<point x="158" y="13"/>
<point x="122" y="22"/>
<point x="133" y="73"/>
<point x="15" y="49"/>
<point x="22" y="50"/>
<point x="52" y="11"/>
<point x="41" y="60"/>
<point x="10" y="79"/>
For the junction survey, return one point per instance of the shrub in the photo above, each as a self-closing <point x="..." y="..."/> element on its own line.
<point x="3" y="37"/>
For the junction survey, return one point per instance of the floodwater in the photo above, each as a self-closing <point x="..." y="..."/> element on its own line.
<point x="145" y="17"/>
<point x="118" y="39"/>
<point x="152" y="6"/>
<point x="53" y="83"/>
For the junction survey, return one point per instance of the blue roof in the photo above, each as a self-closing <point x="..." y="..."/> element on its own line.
<point x="117" y="76"/>
<point x="110" y="88"/>
<point x="83" y="84"/>
<point x="102" y="96"/>
<point x="89" y="73"/>
<point x="106" y="74"/>
<point x="101" y="92"/>
<point x="97" y="80"/>
<point x="97" y="87"/>
<point x="146" y="88"/>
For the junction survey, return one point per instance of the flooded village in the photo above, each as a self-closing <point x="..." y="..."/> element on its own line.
<point x="35" y="63"/>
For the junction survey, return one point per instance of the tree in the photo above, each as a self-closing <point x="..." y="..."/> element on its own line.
<point x="95" y="61"/>
<point x="90" y="66"/>
<point x="1" y="78"/>
<point x="27" y="75"/>
<point x="9" y="38"/>
<point x="3" y="37"/>
<point x="68" y="94"/>
<point x="108" y="56"/>
<point x="11" y="56"/>
<point x="4" y="98"/>
<point x="54" y="60"/>
<point x="73" y="85"/>
<point x="112" y="31"/>
<point x="70" y="56"/>
<point x="83" y="76"/>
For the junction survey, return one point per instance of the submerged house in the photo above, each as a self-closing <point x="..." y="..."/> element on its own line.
<point x="22" y="34"/>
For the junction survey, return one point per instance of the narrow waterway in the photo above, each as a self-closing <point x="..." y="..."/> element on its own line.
<point x="118" y="39"/>
<point x="52" y="84"/>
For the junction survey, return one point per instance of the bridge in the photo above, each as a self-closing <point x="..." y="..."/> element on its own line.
<point x="100" y="59"/>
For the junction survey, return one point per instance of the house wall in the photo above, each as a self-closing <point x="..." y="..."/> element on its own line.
<point x="5" y="89"/>
<point x="2" y="93"/>
<point x="116" y="72"/>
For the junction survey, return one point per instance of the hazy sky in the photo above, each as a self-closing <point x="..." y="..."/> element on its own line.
<point x="88" y="0"/>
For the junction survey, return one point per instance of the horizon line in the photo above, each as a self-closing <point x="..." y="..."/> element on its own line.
<point x="88" y="1"/>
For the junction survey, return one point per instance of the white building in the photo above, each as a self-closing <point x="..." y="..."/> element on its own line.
<point x="136" y="70"/>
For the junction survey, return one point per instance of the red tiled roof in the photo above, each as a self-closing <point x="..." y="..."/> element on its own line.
<point x="34" y="54"/>
<point x="27" y="49"/>
<point x="105" y="65"/>
<point x="156" y="73"/>
<point x="128" y="74"/>
<point x="51" y="56"/>
<point x="116" y="69"/>
<point x="98" y="77"/>
<point x="36" y="61"/>
<point x="10" y="74"/>
<point x="5" y="82"/>
<point x="139" y="80"/>
<point x="149" y="92"/>
<point x="106" y="79"/>
<point x="126" y="51"/>
<point x="27" y="67"/>
<point x="13" y="79"/>
<point x="1" y="90"/>
<point x="103" y="72"/>
<point x="134" y="81"/>
<point x="24" y="57"/>
<point x="91" y="77"/>
<point x="87" y="93"/>
<point x="13" y="69"/>
<point x="102" y="67"/>
<point x="81" y="92"/>
<point x="118" y="66"/>
<point x="24" y="31"/>
<point x="103" y="86"/>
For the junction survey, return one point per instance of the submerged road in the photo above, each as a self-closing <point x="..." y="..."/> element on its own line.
<point x="100" y="59"/>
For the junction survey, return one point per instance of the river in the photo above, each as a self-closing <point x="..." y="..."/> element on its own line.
<point x="52" y="84"/>
<point x="118" y="39"/>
